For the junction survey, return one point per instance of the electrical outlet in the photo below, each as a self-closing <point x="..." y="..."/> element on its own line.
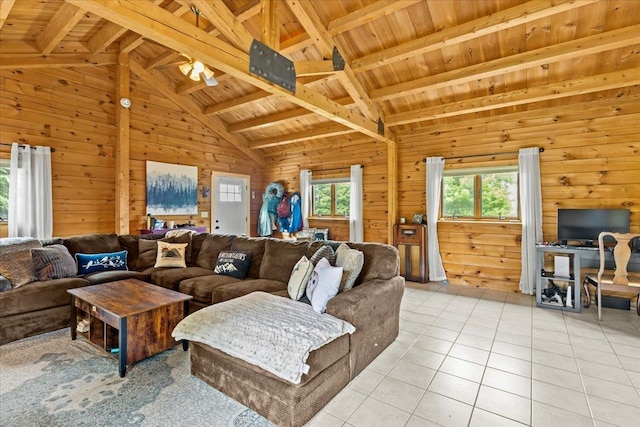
<point x="204" y="214"/>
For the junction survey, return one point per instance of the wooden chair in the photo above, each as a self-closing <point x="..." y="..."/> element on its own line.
<point x="619" y="279"/>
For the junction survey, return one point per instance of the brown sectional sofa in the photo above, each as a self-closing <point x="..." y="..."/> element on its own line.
<point x="372" y="306"/>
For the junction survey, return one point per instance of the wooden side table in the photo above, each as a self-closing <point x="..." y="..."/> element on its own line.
<point x="411" y="241"/>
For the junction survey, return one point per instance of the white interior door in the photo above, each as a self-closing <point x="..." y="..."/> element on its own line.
<point x="230" y="204"/>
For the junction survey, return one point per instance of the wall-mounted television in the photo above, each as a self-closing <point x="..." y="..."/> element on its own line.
<point x="584" y="225"/>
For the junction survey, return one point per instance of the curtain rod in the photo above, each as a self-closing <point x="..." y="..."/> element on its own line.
<point x="53" y="150"/>
<point x="333" y="169"/>
<point x="483" y="155"/>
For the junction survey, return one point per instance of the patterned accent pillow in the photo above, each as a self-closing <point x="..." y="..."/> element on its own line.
<point x="15" y="260"/>
<point x="110" y="261"/>
<point x="53" y="262"/>
<point x="171" y="254"/>
<point x="299" y="278"/>
<point x="351" y="260"/>
<point x="324" y="251"/>
<point x="235" y="264"/>
<point x="323" y="285"/>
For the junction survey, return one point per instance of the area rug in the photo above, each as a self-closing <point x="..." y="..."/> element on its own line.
<point x="50" y="380"/>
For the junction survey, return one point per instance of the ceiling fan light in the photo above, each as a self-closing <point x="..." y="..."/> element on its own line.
<point x="207" y="73"/>
<point x="185" y="68"/>
<point x="194" y="76"/>
<point x="198" y="67"/>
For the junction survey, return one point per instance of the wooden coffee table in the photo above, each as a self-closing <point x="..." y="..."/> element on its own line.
<point x="130" y="318"/>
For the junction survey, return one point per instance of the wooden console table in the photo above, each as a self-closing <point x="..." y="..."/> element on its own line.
<point x="130" y="318"/>
<point x="164" y="230"/>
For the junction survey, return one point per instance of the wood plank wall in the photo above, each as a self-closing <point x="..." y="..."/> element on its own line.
<point x="591" y="160"/>
<point x="285" y="162"/>
<point x="73" y="111"/>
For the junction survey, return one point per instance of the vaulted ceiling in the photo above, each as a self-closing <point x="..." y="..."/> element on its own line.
<point x="407" y="63"/>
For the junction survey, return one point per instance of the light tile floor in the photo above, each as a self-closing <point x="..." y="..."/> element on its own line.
<point x="476" y="357"/>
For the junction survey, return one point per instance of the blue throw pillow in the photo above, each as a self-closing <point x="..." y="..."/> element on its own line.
<point x="90" y="263"/>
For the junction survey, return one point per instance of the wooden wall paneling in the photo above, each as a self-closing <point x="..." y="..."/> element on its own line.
<point x="122" y="144"/>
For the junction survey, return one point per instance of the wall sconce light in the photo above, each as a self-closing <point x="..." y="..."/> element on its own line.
<point x="205" y="191"/>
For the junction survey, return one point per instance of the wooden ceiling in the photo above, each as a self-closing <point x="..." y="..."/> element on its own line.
<point x="409" y="63"/>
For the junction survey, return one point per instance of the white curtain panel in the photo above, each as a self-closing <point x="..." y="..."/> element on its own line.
<point x="30" y="204"/>
<point x="435" y="166"/>
<point x="356" y="225"/>
<point x="305" y="196"/>
<point x="531" y="207"/>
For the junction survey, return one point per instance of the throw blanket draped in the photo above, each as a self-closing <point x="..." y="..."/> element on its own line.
<point x="275" y="333"/>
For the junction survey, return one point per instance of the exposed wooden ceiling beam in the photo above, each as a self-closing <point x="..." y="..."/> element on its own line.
<point x="498" y="21"/>
<point x="213" y="123"/>
<point x="274" y="119"/>
<point x="559" y="52"/>
<point x="295" y="44"/>
<point x="235" y="103"/>
<point x="331" y="129"/>
<point x="164" y="58"/>
<point x="159" y="25"/>
<point x="36" y="60"/>
<point x="226" y="22"/>
<point x="314" y="68"/>
<point x="270" y="25"/>
<point x="64" y="20"/>
<point x="111" y="32"/>
<point x="310" y="20"/>
<point x="367" y="14"/>
<point x="559" y="90"/>
<point x="5" y="8"/>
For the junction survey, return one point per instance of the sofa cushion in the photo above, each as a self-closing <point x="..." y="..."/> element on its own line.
<point x="244" y="287"/>
<point x="170" y="278"/>
<point x="211" y="247"/>
<point x="323" y="284"/>
<point x="351" y="261"/>
<point x="93" y="244"/>
<point x="233" y="263"/>
<point x="39" y="296"/>
<point x="171" y="255"/>
<point x="130" y="243"/>
<point x="299" y="278"/>
<point x="111" y="276"/>
<point x="381" y="261"/>
<point x="92" y="262"/>
<point x="201" y="288"/>
<point x="53" y="262"/>
<point x="15" y="261"/>
<point x="254" y="245"/>
<point x="279" y="258"/>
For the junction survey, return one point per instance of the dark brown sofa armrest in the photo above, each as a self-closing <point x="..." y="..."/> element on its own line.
<point x="374" y="309"/>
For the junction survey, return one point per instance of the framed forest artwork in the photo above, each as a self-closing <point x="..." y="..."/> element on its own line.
<point x="171" y="189"/>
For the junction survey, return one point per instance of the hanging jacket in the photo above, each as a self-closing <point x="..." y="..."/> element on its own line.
<point x="295" y="223"/>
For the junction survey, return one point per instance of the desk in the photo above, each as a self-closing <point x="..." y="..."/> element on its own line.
<point x="581" y="257"/>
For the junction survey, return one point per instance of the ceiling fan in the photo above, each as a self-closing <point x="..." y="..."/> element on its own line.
<point x="191" y="67"/>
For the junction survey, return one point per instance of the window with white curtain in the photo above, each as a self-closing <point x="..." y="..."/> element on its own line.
<point x="330" y="198"/>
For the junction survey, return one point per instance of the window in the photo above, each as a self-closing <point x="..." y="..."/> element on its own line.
<point x="230" y="193"/>
<point x="481" y="193"/>
<point x="330" y="197"/>
<point x="4" y="190"/>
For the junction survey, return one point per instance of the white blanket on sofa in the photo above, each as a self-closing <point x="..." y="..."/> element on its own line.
<point x="275" y="333"/>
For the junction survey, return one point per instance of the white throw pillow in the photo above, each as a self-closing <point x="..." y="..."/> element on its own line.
<point x="323" y="284"/>
<point x="299" y="278"/>
<point x="171" y="254"/>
